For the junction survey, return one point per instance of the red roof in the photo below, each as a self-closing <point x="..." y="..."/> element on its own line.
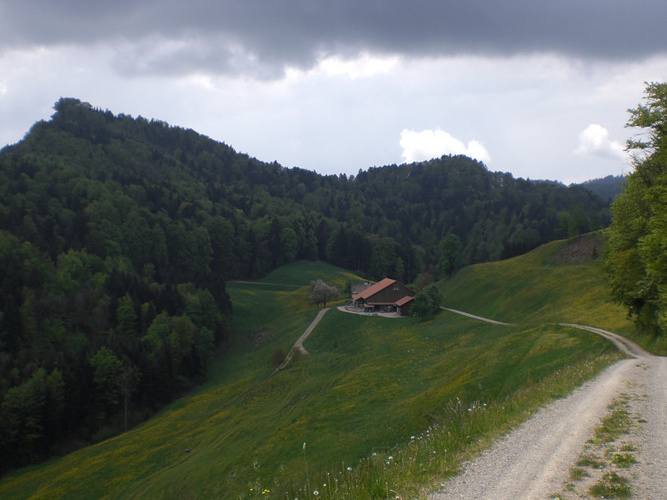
<point x="369" y="292"/>
<point x="404" y="300"/>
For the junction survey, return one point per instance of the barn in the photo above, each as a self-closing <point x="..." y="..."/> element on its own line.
<point x="385" y="296"/>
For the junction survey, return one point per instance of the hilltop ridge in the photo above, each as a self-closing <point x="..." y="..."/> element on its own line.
<point x="348" y="221"/>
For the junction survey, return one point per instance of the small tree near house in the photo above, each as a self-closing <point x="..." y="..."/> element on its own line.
<point x="427" y="302"/>
<point x="320" y="292"/>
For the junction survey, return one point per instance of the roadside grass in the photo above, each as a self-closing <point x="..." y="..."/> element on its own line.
<point x="590" y="460"/>
<point x="623" y="460"/>
<point x="615" y="424"/>
<point x="597" y="471"/>
<point x="577" y="473"/>
<point x="611" y="486"/>
<point x="380" y="408"/>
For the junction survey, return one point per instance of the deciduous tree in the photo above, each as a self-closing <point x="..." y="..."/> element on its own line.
<point x="451" y="254"/>
<point x="321" y="292"/>
<point x="637" y="257"/>
<point x="427" y="302"/>
<point x="107" y="370"/>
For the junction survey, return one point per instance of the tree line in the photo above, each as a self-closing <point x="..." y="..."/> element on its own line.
<point x="117" y="235"/>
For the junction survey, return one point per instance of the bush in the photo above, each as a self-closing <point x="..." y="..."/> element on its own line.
<point x="427" y="302"/>
<point x="277" y="357"/>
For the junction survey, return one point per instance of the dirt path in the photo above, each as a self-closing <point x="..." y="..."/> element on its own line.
<point x="624" y="345"/>
<point x="534" y="461"/>
<point x="478" y="318"/>
<point x="298" y="345"/>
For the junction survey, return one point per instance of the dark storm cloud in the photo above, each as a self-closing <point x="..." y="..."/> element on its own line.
<point x="262" y="37"/>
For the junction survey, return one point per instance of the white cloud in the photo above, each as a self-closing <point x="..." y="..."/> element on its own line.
<point x="365" y="65"/>
<point x="594" y="140"/>
<point x="428" y="144"/>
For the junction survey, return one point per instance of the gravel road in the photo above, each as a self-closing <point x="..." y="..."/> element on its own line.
<point x="534" y="461"/>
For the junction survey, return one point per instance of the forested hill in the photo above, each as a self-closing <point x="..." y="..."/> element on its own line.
<point x="606" y="188"/>
<point x="117" y="233"/>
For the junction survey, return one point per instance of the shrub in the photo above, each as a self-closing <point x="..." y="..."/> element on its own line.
<point x="277" y="357"/>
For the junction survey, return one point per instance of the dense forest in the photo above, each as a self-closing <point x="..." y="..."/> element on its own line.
<point x="117" y="235"/>
<point x="607" y="188"/>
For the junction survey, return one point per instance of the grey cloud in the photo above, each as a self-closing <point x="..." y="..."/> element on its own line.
<point x="262" y="37"/>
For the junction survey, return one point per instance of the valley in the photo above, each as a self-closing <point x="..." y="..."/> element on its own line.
<point x="155" y="280"/>
<point x="377" y="405"/>
<point x="119" y="236"/>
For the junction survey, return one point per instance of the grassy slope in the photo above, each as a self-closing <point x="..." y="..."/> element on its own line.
<point x="367" y="386"/>
<point x="543" y="286"/>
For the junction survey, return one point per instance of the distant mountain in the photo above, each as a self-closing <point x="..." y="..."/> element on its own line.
<point x="606" y="188"/>
<point x="117" y="235"/>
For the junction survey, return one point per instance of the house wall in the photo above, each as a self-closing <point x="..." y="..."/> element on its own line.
<point x="404" y="310"/>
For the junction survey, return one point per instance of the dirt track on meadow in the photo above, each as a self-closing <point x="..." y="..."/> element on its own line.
<point x="535" y="460"/>
<point x="298" y="345"/>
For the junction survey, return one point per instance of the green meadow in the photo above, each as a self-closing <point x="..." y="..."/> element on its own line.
<point x="557" y="282"/>
<point x="379" y="408"/>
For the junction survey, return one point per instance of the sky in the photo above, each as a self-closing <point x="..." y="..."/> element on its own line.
<point x="535" y="88"/>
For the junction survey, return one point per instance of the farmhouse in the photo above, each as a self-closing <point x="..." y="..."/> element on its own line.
<point x="386" y="296"/>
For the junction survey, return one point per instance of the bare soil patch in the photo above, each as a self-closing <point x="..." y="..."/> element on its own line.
<point x="257" y="337"/>
<point x="580" y="250"/>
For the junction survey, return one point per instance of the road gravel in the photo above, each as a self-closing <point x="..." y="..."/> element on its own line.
<point x="534" y="461"/>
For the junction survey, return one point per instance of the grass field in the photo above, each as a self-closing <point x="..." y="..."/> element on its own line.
<point x="379" y="408"/>
<point x="539" y="287"/>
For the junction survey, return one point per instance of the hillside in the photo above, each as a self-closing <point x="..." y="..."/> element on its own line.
<point x="274" y="214"/>
<point x="117" y="235"/>
<point x="606" y="188"/>
<point x="376" y="404"/>
<point x="506" y="290"/>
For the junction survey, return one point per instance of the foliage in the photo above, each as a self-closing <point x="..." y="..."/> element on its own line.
<point x="111" y="300"/>
<point x="252" y="217"/>
<point x="451" y="255"/>
<point x="637" y="258"/>
<point x="606" y="188"/>
<point x="277" y="357"/>
<point x="427" y="302"/>
<point x="321" y="293"/>
<point x="422" y="281"/>
<point x="611" y="486"/>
